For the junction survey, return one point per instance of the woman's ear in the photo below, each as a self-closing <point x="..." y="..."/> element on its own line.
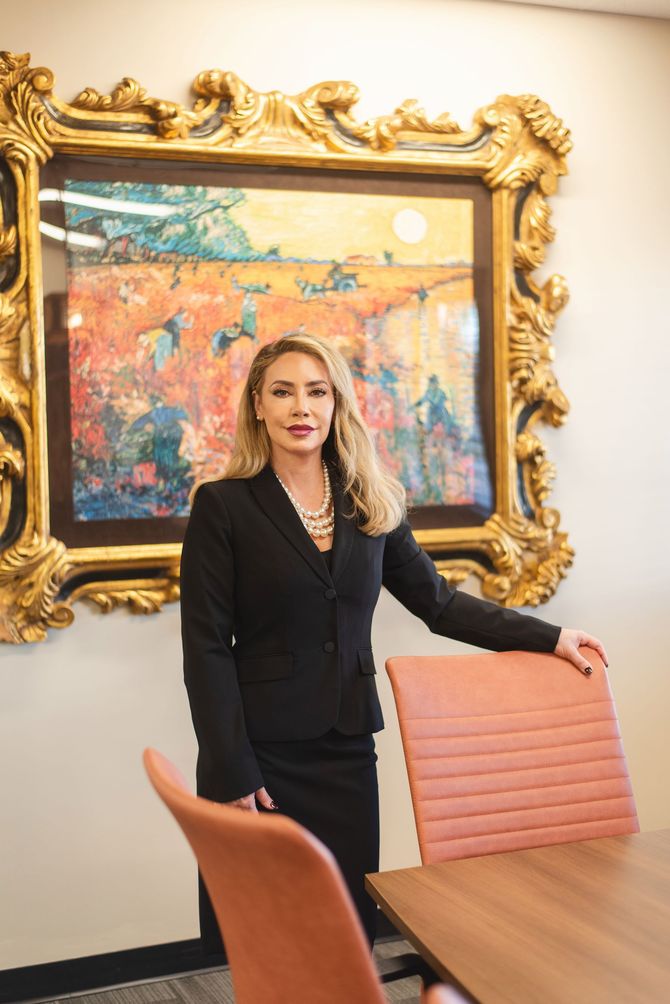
<point x="257" y="404"/>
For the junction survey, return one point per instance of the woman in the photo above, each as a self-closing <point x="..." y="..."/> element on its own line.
<point x="282" y="566"/>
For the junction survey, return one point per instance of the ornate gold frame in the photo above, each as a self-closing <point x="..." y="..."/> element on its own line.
<point x="516" y="146"/>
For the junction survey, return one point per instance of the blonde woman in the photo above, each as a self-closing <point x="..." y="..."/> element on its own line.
<point x="282" y="566"/>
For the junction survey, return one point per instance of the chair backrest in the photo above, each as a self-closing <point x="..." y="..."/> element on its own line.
<point x="289" y="928"/>
<point x="510" y="750"/>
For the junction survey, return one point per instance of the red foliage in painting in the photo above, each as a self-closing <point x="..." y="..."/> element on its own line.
<point x="120" y="368"/>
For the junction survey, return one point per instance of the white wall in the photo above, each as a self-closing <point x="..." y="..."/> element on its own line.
<point x="90" y="861"/>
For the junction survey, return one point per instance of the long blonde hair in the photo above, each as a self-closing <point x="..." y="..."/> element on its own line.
<point x="378" y="498"/>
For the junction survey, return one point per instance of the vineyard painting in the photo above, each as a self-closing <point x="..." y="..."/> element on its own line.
<point x="173" y="288"/>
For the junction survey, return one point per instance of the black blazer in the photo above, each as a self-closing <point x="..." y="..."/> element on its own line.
<point x="276" y="647"/>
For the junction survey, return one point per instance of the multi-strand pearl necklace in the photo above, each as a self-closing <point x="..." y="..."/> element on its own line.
<point x="317" y="523"/>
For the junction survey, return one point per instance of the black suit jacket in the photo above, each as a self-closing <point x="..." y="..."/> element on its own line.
<point x="276" y="647"/>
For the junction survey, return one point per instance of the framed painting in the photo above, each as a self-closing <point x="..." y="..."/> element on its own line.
<point x="147" y="251"/>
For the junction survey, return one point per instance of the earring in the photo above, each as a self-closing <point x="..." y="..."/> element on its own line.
<point x="258" y="418"/>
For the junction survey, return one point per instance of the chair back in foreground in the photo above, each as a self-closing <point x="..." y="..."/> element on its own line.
<point x="510" y="750"/>
<point x="290" y="930"/>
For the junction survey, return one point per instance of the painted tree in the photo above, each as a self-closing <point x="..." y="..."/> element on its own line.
<point x="192" y="221"/>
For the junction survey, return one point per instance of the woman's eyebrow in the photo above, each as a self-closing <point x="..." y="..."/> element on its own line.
<point x="289" y="383"/>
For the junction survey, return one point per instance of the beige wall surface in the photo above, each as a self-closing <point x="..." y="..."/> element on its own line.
<point x="90" y="861"/>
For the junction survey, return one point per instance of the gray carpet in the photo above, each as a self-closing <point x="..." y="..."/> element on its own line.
<point x="214" y="987"/>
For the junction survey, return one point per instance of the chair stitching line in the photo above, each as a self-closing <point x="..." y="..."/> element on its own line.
<point x="526" y="808"/>
<point x="518" y="770"/>
<point x="513" y="732"/>
<point x="525" y="749"/>
<point x="507" y="714"/>
<point x="530" y="829"/>
<point x="511" y="791"/>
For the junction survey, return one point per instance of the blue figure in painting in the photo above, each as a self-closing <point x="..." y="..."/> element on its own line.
<point x="224" y="338"/>
<point x="166" y="436"/>
<point x="165" y="341"/>
<point x="388" y="379"/>
<point x="341" y="281"/>
<point x="250" y="287"/>
<point x="249" y="310"/>
<point x="438" y="408"/>
<point x="310" y="289"/>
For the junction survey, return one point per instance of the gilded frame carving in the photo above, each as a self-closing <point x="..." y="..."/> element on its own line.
<point x="516" y="146"/>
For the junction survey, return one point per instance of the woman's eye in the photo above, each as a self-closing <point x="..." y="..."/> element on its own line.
<point x="280" y="392"/>
<point x="319" y="391"/>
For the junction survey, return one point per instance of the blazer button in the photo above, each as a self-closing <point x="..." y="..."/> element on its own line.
<point x="330" y="594"/>
<point x="329" y="646"/>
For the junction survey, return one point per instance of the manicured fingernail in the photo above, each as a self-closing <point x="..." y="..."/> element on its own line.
<point x="588" y="670"/>
<point x="273" y="805"/>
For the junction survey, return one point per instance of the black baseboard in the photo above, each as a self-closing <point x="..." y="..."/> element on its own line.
<point x="54" y="979"/>
<point x="134" y="965"/>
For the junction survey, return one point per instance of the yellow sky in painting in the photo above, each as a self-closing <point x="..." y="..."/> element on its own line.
<point x="334" y="225"/>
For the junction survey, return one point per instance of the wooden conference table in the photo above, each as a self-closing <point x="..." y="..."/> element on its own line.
<point x="566" y="924"/>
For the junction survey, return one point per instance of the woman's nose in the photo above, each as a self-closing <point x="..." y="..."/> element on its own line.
<point x="301" y="406"/>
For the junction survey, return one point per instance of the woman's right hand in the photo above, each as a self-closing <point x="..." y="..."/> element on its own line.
<point x="248" y="802"/>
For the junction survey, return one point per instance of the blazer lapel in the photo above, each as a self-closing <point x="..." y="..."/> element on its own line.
<point x="344" y="528"/>
<point x="278" y="507"/>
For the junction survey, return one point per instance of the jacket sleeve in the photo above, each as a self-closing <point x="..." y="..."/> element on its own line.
<point x="410" y="576"/>
<point x="227" y="766"/>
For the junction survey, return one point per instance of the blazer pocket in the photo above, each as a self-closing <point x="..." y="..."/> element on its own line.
<point x="366" y="661"/>
<point x="257" y="669"/>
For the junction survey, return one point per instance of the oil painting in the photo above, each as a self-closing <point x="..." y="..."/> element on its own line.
<point x="172" y="288"/>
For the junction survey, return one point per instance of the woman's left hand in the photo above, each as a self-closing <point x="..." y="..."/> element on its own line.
<point x="568" y="645"/>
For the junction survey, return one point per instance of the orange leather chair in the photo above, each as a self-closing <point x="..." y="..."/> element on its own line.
<point x="290" y="930"/>
<point x="510" y="750"/>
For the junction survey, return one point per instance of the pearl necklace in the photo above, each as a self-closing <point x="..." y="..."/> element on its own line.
<point x="317" y="523"/>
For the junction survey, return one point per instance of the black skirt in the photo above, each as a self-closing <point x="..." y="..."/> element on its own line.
<point x="329" y="786"/>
